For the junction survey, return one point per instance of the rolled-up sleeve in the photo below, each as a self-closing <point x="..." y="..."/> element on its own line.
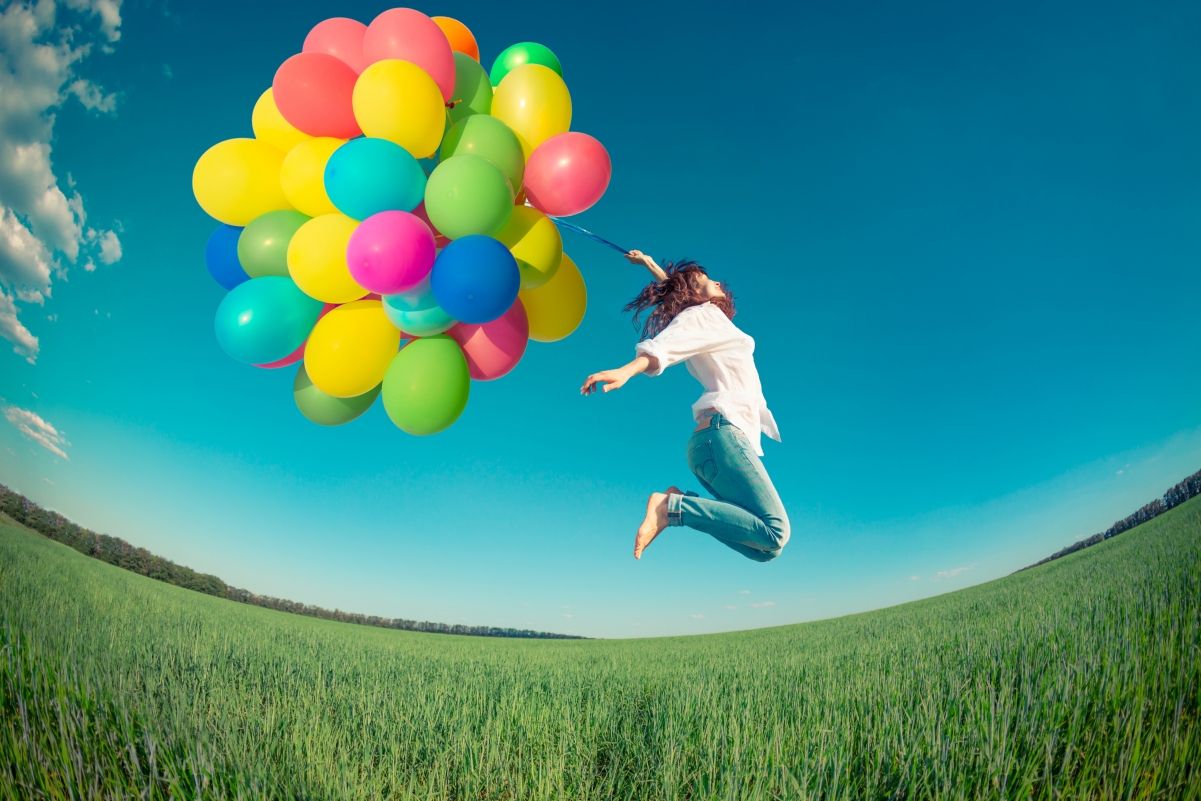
<point x="687" y="335"/>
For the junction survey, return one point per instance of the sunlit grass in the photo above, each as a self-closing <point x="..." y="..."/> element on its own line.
<point x="1079" y="679"/>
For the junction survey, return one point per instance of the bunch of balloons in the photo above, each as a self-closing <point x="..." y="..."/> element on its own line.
<point x="389" y="225"/>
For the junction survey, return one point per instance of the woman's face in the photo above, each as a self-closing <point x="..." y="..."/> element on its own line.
<point x="708" y="287"/>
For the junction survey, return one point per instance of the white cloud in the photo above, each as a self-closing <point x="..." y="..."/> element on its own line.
<point x="566" y="615"/>
<point x="955" y="571"/>
<point x="42" y="230"/>
<point x="110" y="248"/>
<point x="765" y="603"/>
<point x="37" y="430"/>
<point x="731" y="607"/>
<point x="698" y="617"/>
<point x="913" y="578"/>
<point x="24" y="343"/>
<point x="745" y="592"/>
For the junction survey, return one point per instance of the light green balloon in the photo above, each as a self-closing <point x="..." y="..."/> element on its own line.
<point x="325" y="409"/>
<point x="427" y="385"/>
<point x="467" y="195"/>
<point x="473" y="89"/>
<point x="522" y="53"/>
<point x="263" y="244"/>
<point x="487" y="136"/>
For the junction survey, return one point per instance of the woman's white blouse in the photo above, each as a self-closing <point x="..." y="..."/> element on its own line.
<point x="722" y="358"/>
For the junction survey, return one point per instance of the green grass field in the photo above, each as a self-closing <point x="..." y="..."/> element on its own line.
<point x="1079" y="679"/>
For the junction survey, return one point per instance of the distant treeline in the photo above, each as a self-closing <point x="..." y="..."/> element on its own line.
<point x="118" y="552"/>
<point x="1177" y="495"/>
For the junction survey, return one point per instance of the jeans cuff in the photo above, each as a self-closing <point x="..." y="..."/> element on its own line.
<point x="675" y="515"/>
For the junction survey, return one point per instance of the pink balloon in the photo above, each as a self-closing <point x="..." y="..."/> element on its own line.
<point x="390" y="252"/>
<point x="409" y="35"/>
<point x="567" y="174"/>
<point x="493" y="349"/>
<point x="297" y="354"/>
<point x="313" y="92"/>
<point x="341" y="38"/>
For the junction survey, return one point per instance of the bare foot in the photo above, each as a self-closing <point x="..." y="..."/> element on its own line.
<point x="673" y="490"/>
<point x="653" y="524"/>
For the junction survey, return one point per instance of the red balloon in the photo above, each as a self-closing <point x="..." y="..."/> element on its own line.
<point x="440" y="241"/>
<point x="297" y="354"/>
<point x="494" y="348"/>
<point x="409" y="35"/>
<point x="313" y="91"/>
<point x="341" y="38"/>
<point x="567" y="174"/>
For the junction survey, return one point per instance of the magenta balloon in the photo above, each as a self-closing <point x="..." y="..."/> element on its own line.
<point x="341" y="38"/>
<point x="313" y="92"/>
<point x="409" y="35"/>
<point x="390" y="252"/>
<point x="493" y="349"/>
<point x="567" y="174"/>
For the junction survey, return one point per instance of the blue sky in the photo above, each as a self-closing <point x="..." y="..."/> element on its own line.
<point x="965" y="238"/>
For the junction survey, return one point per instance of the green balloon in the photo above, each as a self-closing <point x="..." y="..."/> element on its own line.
<point x="514" y="56"/>
<point x="426" y="386"/>
<point x="263" y="244"/>
<point x="325" y="409"/>
<point x="473" y="90"/>
<point x="488" y="137"/>
<point x="468" y="194"/>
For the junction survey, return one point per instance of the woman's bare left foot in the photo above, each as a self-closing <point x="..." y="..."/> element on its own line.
<point x="653" y="524"/>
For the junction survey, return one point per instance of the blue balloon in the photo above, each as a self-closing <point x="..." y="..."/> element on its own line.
<point x="417" y="312"/>
<point x="475" y="279"/>
<point x="221" y="257"/>
<point x="366" y="176"/>
<point x="264" y="319"/>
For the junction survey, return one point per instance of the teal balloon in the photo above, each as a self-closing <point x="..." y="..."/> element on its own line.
<point x="473" y="89"/>
<point x="487" y="136"/>
<point x="264" y="319"/>
<point x="427" y="385"/>
<point x="417" y="312"/>
<point x="263" y="244"/>
<point x="324" y="409"/>
<point x="368" y="175"/>
<point x="467" y="195"/>
<point x="521" y="53"/>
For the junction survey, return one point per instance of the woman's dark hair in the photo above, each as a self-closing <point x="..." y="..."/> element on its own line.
<point x="667" y="298"/>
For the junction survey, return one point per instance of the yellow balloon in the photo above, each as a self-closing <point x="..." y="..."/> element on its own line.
<point x="303" y="175"/>
<point x="398" y="101"/>
<point x="317" y="259"/>
<point x="271" y="127"/>
<point x="535" y="103"/>
<point x="350" y="349"/>
<point x="238" y="179"/>
<point x="556" y="308"/>
<point x="536" y="244"/>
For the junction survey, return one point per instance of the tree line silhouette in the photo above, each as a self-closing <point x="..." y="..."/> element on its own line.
<point x="118" y="552"/>
<point x="1177" y="495"/>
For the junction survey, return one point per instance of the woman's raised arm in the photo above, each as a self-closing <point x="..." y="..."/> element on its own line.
<point x="638" y="257"/>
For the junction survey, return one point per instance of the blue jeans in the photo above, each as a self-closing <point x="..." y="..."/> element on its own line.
<point x="747" y="514"/>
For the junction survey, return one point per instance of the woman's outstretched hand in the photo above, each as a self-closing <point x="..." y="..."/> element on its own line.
<point x="612" y="379"/>
<point x="615" y="379"/>
<point x="638" y="257"/>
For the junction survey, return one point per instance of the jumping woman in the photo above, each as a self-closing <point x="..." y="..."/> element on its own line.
<point x="689" y="321"/>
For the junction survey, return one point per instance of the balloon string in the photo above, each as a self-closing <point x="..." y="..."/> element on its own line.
<point x="571" y="227"/>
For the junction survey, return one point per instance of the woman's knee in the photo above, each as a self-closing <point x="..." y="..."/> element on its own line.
<point x="779" y="530"/>
<point x="764" y="556"/>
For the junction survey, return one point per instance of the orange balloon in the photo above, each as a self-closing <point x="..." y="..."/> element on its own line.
<point x="460" y="37"/>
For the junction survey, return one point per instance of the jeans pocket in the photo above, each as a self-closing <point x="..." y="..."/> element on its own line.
<point x="702" y="462"/>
